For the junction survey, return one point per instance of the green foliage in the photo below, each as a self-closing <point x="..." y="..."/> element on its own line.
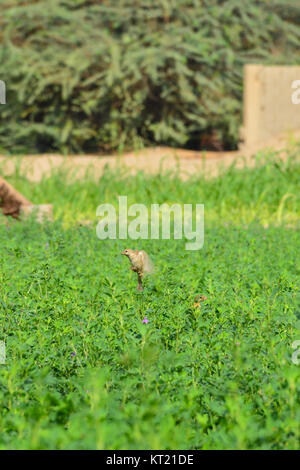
<point x="84" y="372"/>
<point x="268" y="194"/>
<point x="104" y="75"/>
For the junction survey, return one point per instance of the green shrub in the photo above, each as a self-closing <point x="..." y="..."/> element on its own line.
<point x="104" y="75"/>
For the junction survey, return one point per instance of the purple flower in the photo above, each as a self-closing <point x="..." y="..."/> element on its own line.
<point x="73" y="354"/>
<point x="145" y="320"/>
<point x="47" y="245"/>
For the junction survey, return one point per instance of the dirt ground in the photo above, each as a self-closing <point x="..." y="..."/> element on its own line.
<point x="150" y="160"/>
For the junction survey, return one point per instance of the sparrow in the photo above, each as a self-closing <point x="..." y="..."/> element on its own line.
<point x="140" y="264"/>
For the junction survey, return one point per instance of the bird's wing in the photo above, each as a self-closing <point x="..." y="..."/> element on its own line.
<point x="147" y="263"/>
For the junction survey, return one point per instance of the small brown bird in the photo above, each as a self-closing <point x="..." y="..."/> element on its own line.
<point x="140" y="264"/>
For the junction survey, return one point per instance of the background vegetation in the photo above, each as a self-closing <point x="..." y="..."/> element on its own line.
<point x="102" y="75"/>
<point x="84" y="372"/>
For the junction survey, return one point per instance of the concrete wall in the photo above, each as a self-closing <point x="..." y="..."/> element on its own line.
<point x="268" y="109"/>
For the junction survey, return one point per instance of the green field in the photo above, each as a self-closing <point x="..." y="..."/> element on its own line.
<point x="83" y="372"/>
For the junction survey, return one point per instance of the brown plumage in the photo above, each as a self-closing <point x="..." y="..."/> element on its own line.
<point x="140" y="264"/>
<point x="11" y="201"/>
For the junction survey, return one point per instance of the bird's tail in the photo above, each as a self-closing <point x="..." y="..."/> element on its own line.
<point x="148" y="265"/>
